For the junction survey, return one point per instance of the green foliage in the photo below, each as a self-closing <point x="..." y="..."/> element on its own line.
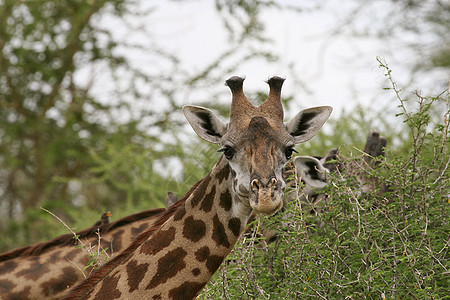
<point x="97" y="257"/>
<point x="362" y="244"/>
<point x="45" y="131"/>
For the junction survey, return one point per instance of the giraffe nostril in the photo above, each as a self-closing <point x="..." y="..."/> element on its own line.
<point x="255" y="184"/>
<point x="273" y="182"/>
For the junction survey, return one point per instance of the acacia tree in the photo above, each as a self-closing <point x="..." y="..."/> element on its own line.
<point x="64" y="148"/>
<point x="45" y="128"/>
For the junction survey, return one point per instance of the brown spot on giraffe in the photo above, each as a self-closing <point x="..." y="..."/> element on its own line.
<point x="168" y="266"/>
<point x="7" y="267"/>
<point x="225" y="200"/>
<point x="194" y="230"/>
<point x="202" y="254"/>
<point x="20" y="295"/>
<point x="208" y="200"/>
<point x="234" y="225"/>
<point x="116" y="240"/>
<point x="138" y="230"/>
<point x="54" y="286"/>
<point x="219" y="234"/>
<point x="35" y="272"/>
<point x="71" y="254"/>
<point x="196" y="272"/>
<point x="54" y="257"/>
<point x="179" y="214"/>
<point x="6" y="286"/>
<point x="108" y="289"/>
<point x="198" y="194"/>
<point x="137" y="272"/>
<point x="212" y="262"/>
<point x="161" y="241"/>
<point x="223" y="174"/>
<point x="188" y="290"/>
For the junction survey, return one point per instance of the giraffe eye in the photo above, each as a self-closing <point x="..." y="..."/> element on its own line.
<point x="227" y="151"/>
<point x="288" y="153"/>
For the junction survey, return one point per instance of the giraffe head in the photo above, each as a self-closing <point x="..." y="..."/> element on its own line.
<point x="256" y="142"/>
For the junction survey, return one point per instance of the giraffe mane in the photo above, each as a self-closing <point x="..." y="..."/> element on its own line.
<point x="86" y="285"/>
<point x="68" y="239"/>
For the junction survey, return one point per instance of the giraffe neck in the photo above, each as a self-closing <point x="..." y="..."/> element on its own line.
<point x="182" y="255"/>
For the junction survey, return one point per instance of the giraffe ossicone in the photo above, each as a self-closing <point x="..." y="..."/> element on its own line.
<point x="178" y="258"/>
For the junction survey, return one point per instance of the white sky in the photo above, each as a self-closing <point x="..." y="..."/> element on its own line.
<point x="332" y="69"/>
<point x="320" y="69"/>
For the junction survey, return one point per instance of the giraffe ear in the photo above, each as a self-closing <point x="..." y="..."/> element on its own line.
<point x="205" y="123"/>
<point x="308" y="122"/>
<point x="312" y="171"/>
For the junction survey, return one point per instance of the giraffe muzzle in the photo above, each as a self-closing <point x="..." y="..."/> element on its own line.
<point x="266" y="198"/>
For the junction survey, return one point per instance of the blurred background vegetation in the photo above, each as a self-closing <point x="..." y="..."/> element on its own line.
<point x="64" y="148"/>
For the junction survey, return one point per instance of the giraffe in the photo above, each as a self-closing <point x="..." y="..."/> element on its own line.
<point x="46" y="270"/>
<point x="177" y="259"/>
<point x="314" y="172"/>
